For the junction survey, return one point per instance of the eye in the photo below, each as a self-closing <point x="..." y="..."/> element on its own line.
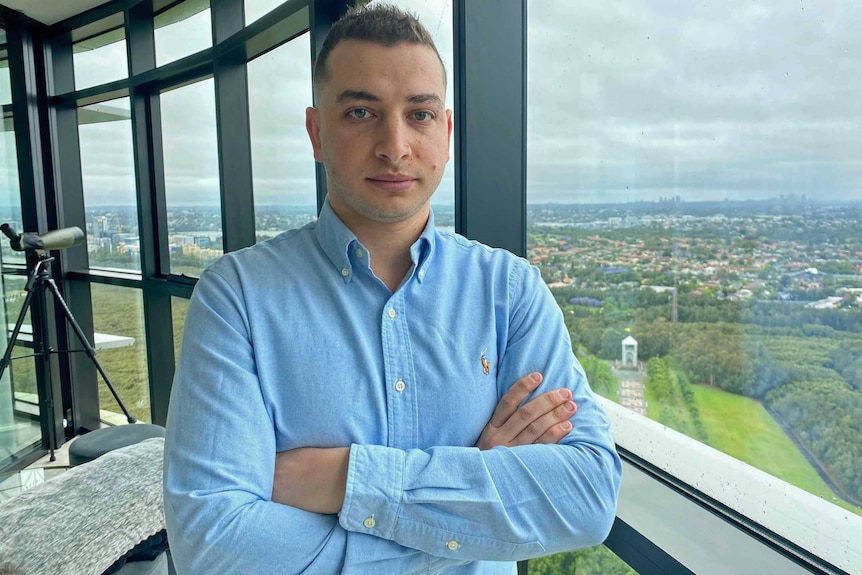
<point x="423" y="116"/>
<point x="359" y="113"/>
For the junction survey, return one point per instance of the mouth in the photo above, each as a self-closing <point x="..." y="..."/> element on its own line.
<point x="392" y="182"/>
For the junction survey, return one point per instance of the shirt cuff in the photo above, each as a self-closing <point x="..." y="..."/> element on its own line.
<point x="372" y="497"/>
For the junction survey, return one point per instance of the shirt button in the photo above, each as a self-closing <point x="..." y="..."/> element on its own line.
<point x="421" y="274"/>
<point x="370" y="523"/>
<point x="345" y="272"/>
<point x="399" y="386"/>
<point x="359" y="253"/>
<point x="391" y="313"/>
<point x="452" y="545"/>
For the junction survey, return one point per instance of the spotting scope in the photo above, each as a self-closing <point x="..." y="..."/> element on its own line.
<point x="53" y="240"/>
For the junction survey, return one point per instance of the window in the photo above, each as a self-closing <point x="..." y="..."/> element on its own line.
<point x="108" y="173"/>
<point x="182" y="30"/>
<point x="254" y="9"/>
<point x="5" y="81"/>
<point x="191" y="177"/>
<point x="693" y="197"/>
<point x="100" y="59"/>
<point x="179" y="308"/>
<point x="596" y="560"/>
<point x="118" y="320"/>
<point x="279" y="90"/>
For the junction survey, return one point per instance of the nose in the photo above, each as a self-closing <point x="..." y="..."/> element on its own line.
<point x="393" y="142"/>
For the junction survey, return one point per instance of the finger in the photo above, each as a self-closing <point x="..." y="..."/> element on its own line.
<point x="529" y="414"/>
<point x="514" y="397"/>
<point x="559" y="424"/>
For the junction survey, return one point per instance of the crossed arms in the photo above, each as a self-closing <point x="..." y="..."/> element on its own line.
<point x="314" y="479"/>
<point x="530" y="486"/>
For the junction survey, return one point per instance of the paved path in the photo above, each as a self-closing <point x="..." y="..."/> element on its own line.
<point x="631" y="393"/>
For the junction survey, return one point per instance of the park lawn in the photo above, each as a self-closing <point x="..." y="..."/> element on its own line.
<point x="741" y="427"/>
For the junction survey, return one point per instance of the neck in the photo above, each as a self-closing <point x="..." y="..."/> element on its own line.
<point x="388" y="244"/>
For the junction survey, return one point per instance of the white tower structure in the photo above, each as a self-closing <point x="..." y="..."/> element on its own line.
<point x="630" y="352"/>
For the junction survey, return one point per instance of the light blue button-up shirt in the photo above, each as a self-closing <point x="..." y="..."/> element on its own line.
<point x="295" y="343"/>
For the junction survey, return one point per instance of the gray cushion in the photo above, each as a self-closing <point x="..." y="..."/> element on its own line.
<point x="97" y="443"/>
<point x="83" y="520"/>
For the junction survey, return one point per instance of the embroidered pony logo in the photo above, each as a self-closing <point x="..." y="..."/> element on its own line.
<point x="486" y="367"/>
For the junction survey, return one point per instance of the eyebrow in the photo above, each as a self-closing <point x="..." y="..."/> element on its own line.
<point x="363" y="96"/>
<point x="348" y="95"/>
<point x="425" y="99"/>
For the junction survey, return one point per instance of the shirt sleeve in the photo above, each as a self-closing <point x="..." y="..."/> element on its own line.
<point x="218" y="506"/>
<point x="502" y="504"/>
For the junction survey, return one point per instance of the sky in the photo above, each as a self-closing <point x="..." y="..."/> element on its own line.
<point x="627" y="100"/>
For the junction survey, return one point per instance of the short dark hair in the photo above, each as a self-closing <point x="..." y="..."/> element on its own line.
<point x="379" y="23"/>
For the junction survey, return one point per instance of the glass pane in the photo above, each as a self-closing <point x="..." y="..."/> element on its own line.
<point x="10" y="194"/>
<point x="100" y="59"/>
<point x="436" y="16"/>
<point x="184" y="29"/>
<point x="191" y="177"/>
<point x="279" y="90"/>
<point x="19" y="403"/>
<point x="254" y="9"/>
<point x="108" y="173"/>
<point x="593" y="561"/>
<point x="179" y="307"/>
<point x="19" y="399"/>
<point x="693" y="191"/>
<point x="5" y="79"/>
<point x="118" y="320"/>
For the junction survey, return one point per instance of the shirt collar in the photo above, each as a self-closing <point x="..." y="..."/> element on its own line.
<point x="336" y="239"/>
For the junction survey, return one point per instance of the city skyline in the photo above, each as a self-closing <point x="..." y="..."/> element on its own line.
<point x="731" y="101"/>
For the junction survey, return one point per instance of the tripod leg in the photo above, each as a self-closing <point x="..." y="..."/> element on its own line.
<point x="91" y="352"/>
<point x="4" y="363"/>
<point x="33" y="279"/>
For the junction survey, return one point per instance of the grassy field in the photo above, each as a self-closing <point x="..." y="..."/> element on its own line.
<point x="741" y="427"/>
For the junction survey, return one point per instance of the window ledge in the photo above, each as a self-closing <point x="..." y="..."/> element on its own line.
<point x="805" y="520"/>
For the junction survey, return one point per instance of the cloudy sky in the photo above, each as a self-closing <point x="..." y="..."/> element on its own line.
<point x="628" y="100"/>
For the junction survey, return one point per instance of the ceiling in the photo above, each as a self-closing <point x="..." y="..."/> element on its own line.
<point x="51" y="11"/>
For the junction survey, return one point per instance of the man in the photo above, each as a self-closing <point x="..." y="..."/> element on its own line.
<point x="387" y="364"/>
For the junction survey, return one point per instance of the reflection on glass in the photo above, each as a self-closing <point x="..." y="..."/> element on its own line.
<point x="279" y="90"/>
<point x="100" y="59"/>
<point x="118" y="315"/>
<point x="254" y="9"/>
<point x="182" y="30"/>
<point x="108" y="174"/>
<point x="436" y="16"/>
<point x="593" y="561"/>
<point x="179" y="307"/>
<point x="191" y="177"/>
<point x="19" y="400"/>
<point x="694" y="195"/>
<point x="5" y="79"/>
<point x="10" y="195"/>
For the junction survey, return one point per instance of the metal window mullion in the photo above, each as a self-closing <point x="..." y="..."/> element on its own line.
<point x="81" y="393"/>
<point x="152" y="207"/>
<point x="490" y="100"/>
<point x="232" y="129"/>
<point x="38" y="210"/>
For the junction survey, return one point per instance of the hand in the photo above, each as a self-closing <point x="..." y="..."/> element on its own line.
<point x="544" y="419"/>
<point x="312" y="479"/>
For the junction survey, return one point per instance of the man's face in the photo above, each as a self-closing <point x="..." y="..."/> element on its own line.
<point x="381" y="131"/>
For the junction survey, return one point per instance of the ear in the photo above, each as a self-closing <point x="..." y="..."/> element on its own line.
<point x="312" y="126"/>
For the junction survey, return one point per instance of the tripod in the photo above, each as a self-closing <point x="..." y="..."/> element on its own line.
<point x="38" y="281"/>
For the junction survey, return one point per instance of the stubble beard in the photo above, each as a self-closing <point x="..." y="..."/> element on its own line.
<point x="387" y="211"/>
